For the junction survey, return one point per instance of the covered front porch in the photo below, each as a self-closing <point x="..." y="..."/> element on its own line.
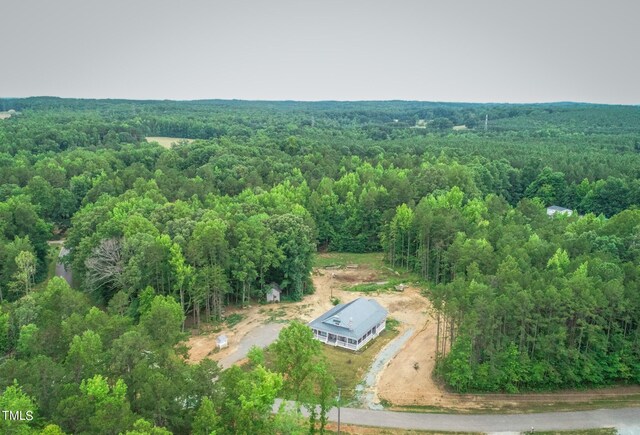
<point x="347" y="342"/>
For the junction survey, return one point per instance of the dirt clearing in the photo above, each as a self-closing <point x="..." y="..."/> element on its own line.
<point x="408" y="307"/>
<point x="406" y="380"/>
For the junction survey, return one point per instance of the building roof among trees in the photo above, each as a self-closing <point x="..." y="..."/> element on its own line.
<point x="274" y="286"/>
<point x="553" y="209"/>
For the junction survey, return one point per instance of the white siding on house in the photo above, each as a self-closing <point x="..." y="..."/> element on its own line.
<point x="349" y="343"/>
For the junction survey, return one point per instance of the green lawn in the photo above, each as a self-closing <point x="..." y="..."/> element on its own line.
<point x="349" y="367"/>
<point x="374" y="260"/>
<point x="233" y="319"/>
<point x="605" y="431"/>
<point x="353" y="429"/>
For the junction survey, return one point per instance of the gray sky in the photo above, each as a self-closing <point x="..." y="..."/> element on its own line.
<point x="502" y="51"/>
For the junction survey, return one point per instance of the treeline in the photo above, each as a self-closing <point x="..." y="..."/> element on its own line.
<point x="526" y="301"/>
<point x="205" y="255"/>
<point x="65" y="158"/>
<point x="73" y="368"/>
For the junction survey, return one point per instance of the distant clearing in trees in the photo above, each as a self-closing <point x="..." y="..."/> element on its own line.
<point x="167" y="142"/>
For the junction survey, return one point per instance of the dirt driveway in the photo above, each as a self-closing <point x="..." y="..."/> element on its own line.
<point x="257" y="327"/>
<point x="407" y="378"/>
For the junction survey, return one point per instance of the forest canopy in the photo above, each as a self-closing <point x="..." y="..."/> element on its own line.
<point x="164" y="236"/>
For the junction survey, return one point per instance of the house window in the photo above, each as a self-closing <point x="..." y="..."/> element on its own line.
<point x="352" y="341"/>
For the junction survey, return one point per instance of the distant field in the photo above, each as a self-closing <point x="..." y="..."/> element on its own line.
<point x="166" y="142"/>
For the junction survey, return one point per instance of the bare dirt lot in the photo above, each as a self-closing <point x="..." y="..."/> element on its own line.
<point x="406" y="380"/>
<point x="408" y="307"/>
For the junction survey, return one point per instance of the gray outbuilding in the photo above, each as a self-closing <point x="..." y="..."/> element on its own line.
<point x="273" y="293"/>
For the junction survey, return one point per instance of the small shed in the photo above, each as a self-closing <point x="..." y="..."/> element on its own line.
<point x="222" y="341"/>
<point x="273" y="293"/>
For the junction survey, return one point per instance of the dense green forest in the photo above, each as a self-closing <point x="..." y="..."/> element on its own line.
<point x="455" y="193"/>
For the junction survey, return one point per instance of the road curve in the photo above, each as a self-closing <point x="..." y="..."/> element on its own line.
<point x="627" y="420"/>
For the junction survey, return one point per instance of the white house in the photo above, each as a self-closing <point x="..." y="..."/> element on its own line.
<point x="350" y="325"/>
<point x="551" y="210"/>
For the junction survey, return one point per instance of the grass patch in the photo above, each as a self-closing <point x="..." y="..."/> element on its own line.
<point x="603" y="431"/>
<point x="527" y="407"/>
<point x="349" y="367"/>
<point x="373" y="260"/>
<point x="387" y="285"/>
<point x="392" y="324"/>
<point x="358" y="429"/>
<point x="618" y="402"/>
<point x="233" y="319"/>
<point x="275" y="315"/>
<point x="167" y="142"/>
<point x="371" y="430"/>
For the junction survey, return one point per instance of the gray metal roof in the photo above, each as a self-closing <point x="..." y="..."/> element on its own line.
<point x="352" y="319"/>
<point x="557" y="208"/>
<point x="275" y="286"/>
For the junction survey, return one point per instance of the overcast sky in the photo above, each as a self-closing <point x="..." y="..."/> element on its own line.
<point x="479" y="51"/>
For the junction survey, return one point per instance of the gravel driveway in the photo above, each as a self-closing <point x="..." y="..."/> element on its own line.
<point x="383" y="357"/>
<point x="261" y="336"/>
<point x="60" y="269"/>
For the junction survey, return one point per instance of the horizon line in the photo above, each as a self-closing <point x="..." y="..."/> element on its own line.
<point x="288" y="100"/>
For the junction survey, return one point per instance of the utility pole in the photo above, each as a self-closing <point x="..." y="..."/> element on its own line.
<point x="339" y="394"/>
<point x="486" y="122"/>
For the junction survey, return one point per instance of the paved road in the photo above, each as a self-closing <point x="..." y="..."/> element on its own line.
<point x="261" y="336"/>
<point x="60" y="269"/>
<point x="626" y="420"/>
